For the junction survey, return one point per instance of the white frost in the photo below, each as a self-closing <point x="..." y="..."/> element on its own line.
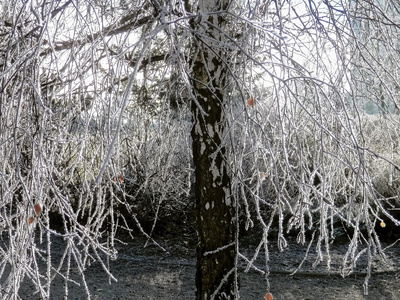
<point x="228" y="200"/>
<point x="202" y="148"/>
<point x="210" y="130"/>
<point x="207" y="206"/>
<point x="215" y="173"/>
<point x="198" y="128"/>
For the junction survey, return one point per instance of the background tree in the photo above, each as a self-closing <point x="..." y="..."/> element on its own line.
<point x="101" y="105"/>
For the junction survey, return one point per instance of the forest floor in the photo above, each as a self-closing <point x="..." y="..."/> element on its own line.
<point x="149" y="273"/>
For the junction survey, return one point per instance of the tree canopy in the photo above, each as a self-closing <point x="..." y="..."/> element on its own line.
<point x="111" y="112"/>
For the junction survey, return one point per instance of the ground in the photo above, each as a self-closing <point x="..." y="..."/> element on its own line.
<point x="149" y="273"/>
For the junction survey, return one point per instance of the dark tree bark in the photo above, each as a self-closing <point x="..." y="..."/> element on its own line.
<point x="215" y="270"/>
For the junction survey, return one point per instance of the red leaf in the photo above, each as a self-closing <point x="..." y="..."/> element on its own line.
<point x="30" y="220"/>
<point x="268" y="296"/>
<point x="250" y="102"/>
<point x="37" y="209"/>
<point x="120" y="179"/>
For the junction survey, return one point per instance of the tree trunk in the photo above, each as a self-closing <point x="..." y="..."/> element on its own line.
<point x="216" y="255"/>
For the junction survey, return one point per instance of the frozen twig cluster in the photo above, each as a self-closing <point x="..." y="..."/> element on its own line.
<point x="308" y="155"/>
<point x="95" y="125"/>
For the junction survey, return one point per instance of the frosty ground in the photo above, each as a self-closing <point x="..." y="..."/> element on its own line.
<point x="149" y="273"/>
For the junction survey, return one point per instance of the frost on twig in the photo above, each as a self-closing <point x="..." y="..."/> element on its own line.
<point x="95" y="130"/>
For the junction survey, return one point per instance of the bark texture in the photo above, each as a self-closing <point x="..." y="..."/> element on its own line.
<point x="215" y="272"/>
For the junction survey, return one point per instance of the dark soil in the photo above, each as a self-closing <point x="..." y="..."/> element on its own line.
<point x="149" y="273"/>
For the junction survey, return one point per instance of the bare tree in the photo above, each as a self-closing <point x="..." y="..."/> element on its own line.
<point x="260" y="105"/>
<point x="216" y="271"/>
